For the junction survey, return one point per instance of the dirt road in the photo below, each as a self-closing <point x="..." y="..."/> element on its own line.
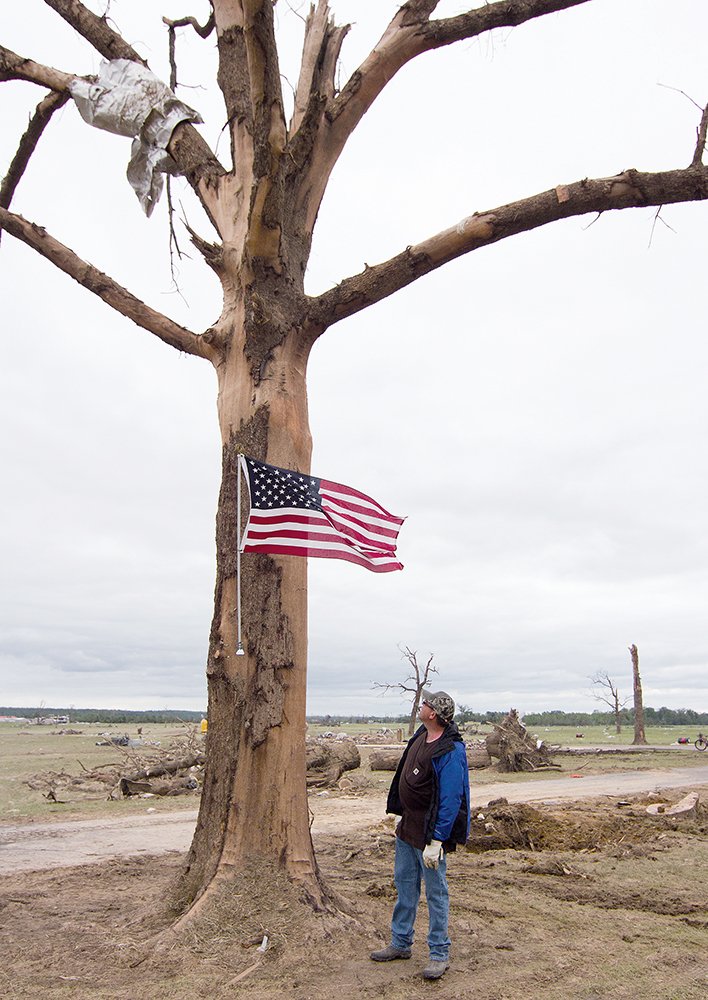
<point x="39" y="846"/>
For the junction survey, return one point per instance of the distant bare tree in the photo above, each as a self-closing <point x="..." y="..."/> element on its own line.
<point x="414" y="683"/>
<point x="606" y="691"/>
<point x="639" y="735"/>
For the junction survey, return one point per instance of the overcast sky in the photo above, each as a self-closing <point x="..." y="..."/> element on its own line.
<point x="537" y="410"/>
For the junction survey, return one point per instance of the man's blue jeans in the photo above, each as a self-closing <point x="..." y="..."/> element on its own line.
<point x="407" y="872"/>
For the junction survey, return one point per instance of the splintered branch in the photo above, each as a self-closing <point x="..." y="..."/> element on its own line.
<point x="320" y="52"/>
<point x="106" y="288"/>
<point x="28" y="143"/>
<point x="701" y="141"/>
<point x="630" y="189"/>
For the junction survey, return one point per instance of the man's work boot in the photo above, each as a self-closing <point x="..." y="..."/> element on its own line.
<point x="434" y="969"/>
<point x="389" y="953"/>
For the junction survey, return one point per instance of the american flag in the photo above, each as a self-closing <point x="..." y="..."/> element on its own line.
<point x="297" y="515"/>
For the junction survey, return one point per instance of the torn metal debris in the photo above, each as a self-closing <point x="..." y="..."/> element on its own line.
<point x="128" y="99"/>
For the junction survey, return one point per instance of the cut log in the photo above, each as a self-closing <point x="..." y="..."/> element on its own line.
<point x="385" y="760"/>
<point x="328" y="759"/>
<point x="477" y="756"/>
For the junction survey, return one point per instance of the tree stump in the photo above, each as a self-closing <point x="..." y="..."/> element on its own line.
<point x="514" y="749"/>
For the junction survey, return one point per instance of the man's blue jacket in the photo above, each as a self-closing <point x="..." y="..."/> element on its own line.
<point x="448" y="816"/>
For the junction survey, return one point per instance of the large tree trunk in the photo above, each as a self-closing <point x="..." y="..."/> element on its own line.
<point x="639" y="735"/>
<point x="256" y="742"/>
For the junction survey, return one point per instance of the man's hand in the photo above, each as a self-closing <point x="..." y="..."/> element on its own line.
<point x="432" y="854"/>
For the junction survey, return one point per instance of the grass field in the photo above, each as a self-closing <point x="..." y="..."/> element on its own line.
<point x="29" y="751"/>
<point x="26" y="751"/>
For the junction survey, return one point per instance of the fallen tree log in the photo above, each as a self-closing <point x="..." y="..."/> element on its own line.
<point x="387" y="760"/>
<point x="328" y="759"/>
<point x="168" y="767"/>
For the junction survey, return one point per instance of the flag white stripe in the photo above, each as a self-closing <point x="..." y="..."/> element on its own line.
<point x="301" y="534"/>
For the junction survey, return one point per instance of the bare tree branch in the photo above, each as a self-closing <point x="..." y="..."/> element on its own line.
<point x="107" y="289"/>
<point x="410" y="33"/>
<point x="233" y="78"/>
<point x="630" y="189"/>
<point x="16" y="67"/>
<point x="202" y="30"/>
<point x="249" y="78"/>
<point x="419" y="677"/>
<point x="95" y="30"/>
<point x="28" y="143"/>
<point x="475" y="22"/>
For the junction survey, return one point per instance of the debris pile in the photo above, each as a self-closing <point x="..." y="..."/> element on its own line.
<point x="515" y="749"/>
<point x="384" y="737"/>
<point x="179" y="768"/>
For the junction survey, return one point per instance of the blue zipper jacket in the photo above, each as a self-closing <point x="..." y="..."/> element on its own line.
<point x="448" y="816"/>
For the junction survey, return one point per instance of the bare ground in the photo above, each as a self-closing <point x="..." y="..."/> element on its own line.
<point x="593" y="899"/>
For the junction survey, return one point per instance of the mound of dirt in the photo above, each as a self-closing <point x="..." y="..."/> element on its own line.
<point x="580" y="827"/>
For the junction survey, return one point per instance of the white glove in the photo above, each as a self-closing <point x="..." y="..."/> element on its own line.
<point x="432" y="854"/>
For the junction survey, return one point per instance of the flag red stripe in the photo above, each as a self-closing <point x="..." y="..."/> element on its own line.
<point x="297" y="550"/>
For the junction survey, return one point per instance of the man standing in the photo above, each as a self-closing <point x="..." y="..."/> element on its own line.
<point x="431" y="793"/>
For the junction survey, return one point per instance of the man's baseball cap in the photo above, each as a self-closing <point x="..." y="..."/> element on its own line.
<point x="441" y="703"/>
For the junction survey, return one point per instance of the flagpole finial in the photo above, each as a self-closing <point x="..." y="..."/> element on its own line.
<point x="240" y="651"/>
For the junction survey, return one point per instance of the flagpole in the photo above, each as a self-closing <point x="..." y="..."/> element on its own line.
<point x="239" y="647"/>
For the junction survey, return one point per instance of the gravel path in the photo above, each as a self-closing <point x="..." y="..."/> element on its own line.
<point x="38" y="846"/>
